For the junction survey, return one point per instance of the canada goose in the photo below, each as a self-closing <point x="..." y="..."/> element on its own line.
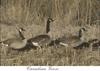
<point x="15" y="43"/>
<point x="41" y="40"/>
<point x="72" y="40"/>
<point x="96" y="45"/>
<point x="82" y="45"/>
<point x="86" y="44"/>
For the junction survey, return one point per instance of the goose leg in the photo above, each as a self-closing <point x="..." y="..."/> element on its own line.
<point x="55" y="45"/>
<point x="5" y="50"/>
<point x="39" y="46"/>
<point x="91" y="48"/>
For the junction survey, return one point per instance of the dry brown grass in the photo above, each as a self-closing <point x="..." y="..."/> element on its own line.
<point x="69" y="16"/>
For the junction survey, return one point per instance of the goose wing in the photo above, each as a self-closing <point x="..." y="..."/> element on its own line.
<point x="69" y="40"/>
<point x="72" y="41"/>
<point x="81" y="45"/>
<point x="15" y="43"/>
<point x="39" y="38"/>
<point x="8" y="41"/>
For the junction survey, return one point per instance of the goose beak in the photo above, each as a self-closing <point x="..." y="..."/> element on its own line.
<point x="22" y="29"/>
<point x="53" y="20"/>
<point x="84" y="29"/>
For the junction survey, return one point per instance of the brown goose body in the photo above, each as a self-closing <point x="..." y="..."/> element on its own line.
<point x="15" y="43"/>
<point x="40" y="40"/>
<point x="43" y="39"/>
<point x="92" y="43"/>
<point x="72" y="40"/>
<point x="96" y="45"/>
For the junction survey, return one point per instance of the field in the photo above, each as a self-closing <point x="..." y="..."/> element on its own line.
<point x="69" y="16"/>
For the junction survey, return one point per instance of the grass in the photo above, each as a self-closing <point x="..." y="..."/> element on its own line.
<point x="69" y="15"/>
<point x="52" y="56"/>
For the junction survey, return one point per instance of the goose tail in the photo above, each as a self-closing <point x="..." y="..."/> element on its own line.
<point x="93" y="41"/>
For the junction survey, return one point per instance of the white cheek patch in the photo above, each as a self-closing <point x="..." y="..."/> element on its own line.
<point x="20" y="30"/>
<point x="6" y="45"/>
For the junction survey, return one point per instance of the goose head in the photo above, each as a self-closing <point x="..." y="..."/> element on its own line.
<point x="21" y="29"/>
<point x="81" y="33"/>
<point x="49" y="20"/>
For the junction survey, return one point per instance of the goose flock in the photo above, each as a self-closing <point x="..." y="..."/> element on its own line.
<point x="75" y="41"/>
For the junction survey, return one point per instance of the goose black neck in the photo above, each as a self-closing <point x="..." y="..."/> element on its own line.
<point x="80" y="33"/>
<point x="48" y="26"/>
<point x="21" y="35"/>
